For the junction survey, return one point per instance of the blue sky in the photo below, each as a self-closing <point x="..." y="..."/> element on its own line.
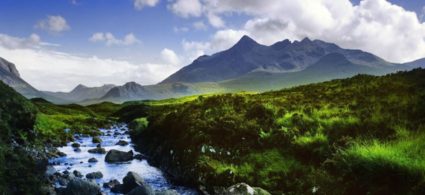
<point x="165" y="35"/>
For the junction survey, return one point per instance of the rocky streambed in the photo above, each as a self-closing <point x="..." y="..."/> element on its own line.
<point x="107" y="164"/>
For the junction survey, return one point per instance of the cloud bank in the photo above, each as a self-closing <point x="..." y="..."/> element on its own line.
<point x="376" y="26"/>
<point x="46" y="69"/>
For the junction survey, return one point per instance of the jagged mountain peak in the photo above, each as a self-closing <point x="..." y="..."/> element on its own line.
<point x="245" y="42"/>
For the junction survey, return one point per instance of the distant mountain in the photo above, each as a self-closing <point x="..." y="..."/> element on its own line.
<point x="134" y="91"/>
<point x="10" y="76"/>
<point x="81" y="93"/>
<point x="248" y="56"/>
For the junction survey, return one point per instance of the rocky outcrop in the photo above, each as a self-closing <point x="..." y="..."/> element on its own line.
<point x="115" y="156"/>
<point x="122" y="143"/>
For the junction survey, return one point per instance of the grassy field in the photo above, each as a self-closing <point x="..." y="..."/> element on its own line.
<point x="58" y="123"/>
<point x="359" y="135"/>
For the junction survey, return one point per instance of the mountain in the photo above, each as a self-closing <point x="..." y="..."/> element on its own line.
<point x="250" y="66"/>
<point x="134" y="91"/>
<point x="81" y="93"/>
<point x="10" y="76"/>
<point x="248" y="56"/>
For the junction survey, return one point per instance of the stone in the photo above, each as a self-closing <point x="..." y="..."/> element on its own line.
<point x="75" y="145"/>
<point x="79" y="186"/>
<point x="92" y="160"/>
<point x="97" y="150"/>
<point x="114" y="156"/>
<point x="133" y="184"/>
<point x="77" y="174"/>
<point x="94" y="175"/>
<point x="111" y="183"/>
<point x="243" y="188"/>
<point x="122" y="143"/>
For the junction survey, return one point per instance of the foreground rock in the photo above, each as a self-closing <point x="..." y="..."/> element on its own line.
<point x="243" y="188"/>
<point x="81" y="187"/>
<point x="122" y="143"/>
<point x="92" y="160"/>
<point x="94" y="175"/>
<point x="75" y="145"/>
<point x="97" y="150"/>
<point x="133" y="184"/>
<point x="111" y="183"/>
<point x="115" y="156"/>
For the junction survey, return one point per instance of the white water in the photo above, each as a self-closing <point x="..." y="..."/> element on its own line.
<point x="79" y="161"/>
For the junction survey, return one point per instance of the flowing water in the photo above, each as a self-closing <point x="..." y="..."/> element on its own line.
<point x="79" y="161"/>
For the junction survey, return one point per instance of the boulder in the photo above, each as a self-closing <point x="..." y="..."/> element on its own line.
<point x="122" y="143"/>
<point x="97" y="150"/>
<point x="115" y="156"/>
<point x="92" y="160"/>
<point x="78" y="186"/>
<point x="75" y="145"/>
<point x="243" y="188"/>
<point x="143" y="190"/>
<point x="133" y="184"/>
<point x="94" y="175"/>
<point x="111" y="184"/>
<point x="96" y="139"/>
<point x="77" y="150"/>
<point x="77" y="174"/>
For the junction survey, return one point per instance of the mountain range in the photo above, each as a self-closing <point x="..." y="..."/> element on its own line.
<point x="246" y="66"/>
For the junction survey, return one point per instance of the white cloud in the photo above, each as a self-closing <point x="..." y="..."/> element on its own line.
<point x="140" y="4"/>
<point x="376" y="26"/>
<point x="18" y="43"/>
<point x="109" y="39"/>
<point x="170" y="57"/>
<point x="55" y="71"/>
<point x="53" y="24"/>
<point x="200" y="25"/>
<point x="47" y="69"/>
<point x="186" y="8"/>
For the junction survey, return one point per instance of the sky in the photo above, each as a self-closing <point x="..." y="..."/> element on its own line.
<point x="58" y="44"/>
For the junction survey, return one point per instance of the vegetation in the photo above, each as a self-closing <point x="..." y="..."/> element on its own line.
<point x="358" y="135"/>
<point x="57" y="123"/>
<point x="19" y="172"/>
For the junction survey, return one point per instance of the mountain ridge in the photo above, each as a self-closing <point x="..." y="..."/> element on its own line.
<point x="247" y="56"/>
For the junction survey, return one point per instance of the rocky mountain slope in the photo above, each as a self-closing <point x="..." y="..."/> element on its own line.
<point x="248" y="56"/>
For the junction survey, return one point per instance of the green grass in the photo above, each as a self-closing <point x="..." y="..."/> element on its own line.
<point x="360" y="135"/>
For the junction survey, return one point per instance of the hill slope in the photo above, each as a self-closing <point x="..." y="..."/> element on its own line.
<point x="362" y="135"/>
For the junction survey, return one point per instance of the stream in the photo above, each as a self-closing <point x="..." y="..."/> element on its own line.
<point x="78" y="160"/>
